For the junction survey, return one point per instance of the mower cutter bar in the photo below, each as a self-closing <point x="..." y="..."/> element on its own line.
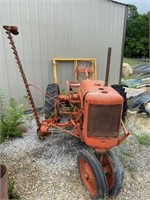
<point x="14" y="30"/>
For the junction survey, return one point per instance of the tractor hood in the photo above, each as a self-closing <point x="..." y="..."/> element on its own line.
<point x="95" y="92"/>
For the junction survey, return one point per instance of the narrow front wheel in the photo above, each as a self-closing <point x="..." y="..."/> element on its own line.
<point x="92" y="174"/>
<point x="113" y="171"/>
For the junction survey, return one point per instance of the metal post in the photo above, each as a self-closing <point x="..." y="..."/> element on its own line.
<point x="107" y="66"/>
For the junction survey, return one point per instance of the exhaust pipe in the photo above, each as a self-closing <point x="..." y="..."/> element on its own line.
<point x="107" y="66"/>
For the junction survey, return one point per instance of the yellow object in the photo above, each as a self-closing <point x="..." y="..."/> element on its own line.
<point x="76" y="62"/>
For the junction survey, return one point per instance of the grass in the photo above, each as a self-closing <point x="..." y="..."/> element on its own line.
<point x="11" y="193"/>
<point x="127" y="159"/>
<point x="130" y="166"/>
<point x="132" y="62"/>
<point x="126" y="153"/>
<point x="143" y="139"/>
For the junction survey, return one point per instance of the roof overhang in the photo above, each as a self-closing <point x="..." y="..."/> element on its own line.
<point x="119" y="2"/>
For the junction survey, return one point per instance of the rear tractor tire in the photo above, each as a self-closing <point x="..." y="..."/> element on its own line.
<point x="51" y="104"/>
<point x="121" y="91"/>
<point x="92" y="174"/>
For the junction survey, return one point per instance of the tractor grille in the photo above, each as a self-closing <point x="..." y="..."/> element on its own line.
<point x="103" y="120"/>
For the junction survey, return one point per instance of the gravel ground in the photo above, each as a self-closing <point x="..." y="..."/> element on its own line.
<point x="47" y="169"/>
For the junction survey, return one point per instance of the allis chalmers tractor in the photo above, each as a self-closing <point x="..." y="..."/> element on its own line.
<point x="94" y="113"/>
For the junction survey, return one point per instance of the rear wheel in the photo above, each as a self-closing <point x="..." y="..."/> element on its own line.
<point x="121" y="91"/>
<point x="92" y="174"/>
<point x="113" y="171"/>
<point x="51" y="105"/>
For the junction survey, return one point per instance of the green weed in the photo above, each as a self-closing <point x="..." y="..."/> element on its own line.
<point x="10" y="118"/>
<point x="130" y="166"/>
<point x="11" y="193"/>
<point x="126" y="153"/>
<point x="126" y="158"/>
<point x="143" y="139"/>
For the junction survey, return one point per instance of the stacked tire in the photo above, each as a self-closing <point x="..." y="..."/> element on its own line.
<point x="121" y="91"/>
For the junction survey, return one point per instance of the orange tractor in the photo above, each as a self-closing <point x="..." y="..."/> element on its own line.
<point x="91" y="111"/>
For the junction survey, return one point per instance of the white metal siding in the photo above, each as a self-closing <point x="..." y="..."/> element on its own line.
<point x="58" y="28"/>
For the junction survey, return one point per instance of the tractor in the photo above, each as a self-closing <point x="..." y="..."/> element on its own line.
<point x="91" y="111"/>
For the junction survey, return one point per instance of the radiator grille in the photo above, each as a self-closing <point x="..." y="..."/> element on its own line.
<point x="103" y="120"/>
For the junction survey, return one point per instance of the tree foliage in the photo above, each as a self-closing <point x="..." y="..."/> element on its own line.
<point x="137" y="34"/>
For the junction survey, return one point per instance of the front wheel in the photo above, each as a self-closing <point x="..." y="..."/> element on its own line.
<point x="92" y="174"/>
<point x="113" y="171"/>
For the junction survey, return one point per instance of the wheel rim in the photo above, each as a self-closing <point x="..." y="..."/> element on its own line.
<point x="87" y="177"/>
<point x="108" y="170"/>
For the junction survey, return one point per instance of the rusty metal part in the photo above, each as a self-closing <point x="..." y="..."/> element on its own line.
<point x="51" y="123"/>
<point x="97" y="125"/>
<point x="40" y="90"/>
<point x="107" y="66"/>
<point x="126" y="133"/>
<point x="14" y="30"/>
<point x="3" y="182"/>
<point x="70" y="98"/>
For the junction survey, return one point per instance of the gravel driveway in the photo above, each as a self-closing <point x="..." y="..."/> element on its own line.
<point x="47" y="169"/>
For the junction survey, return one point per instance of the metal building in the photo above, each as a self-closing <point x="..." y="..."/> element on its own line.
<point x="59" y="28"/>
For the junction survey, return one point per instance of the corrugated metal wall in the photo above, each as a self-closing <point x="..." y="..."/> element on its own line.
<point x="58" y="28"/>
